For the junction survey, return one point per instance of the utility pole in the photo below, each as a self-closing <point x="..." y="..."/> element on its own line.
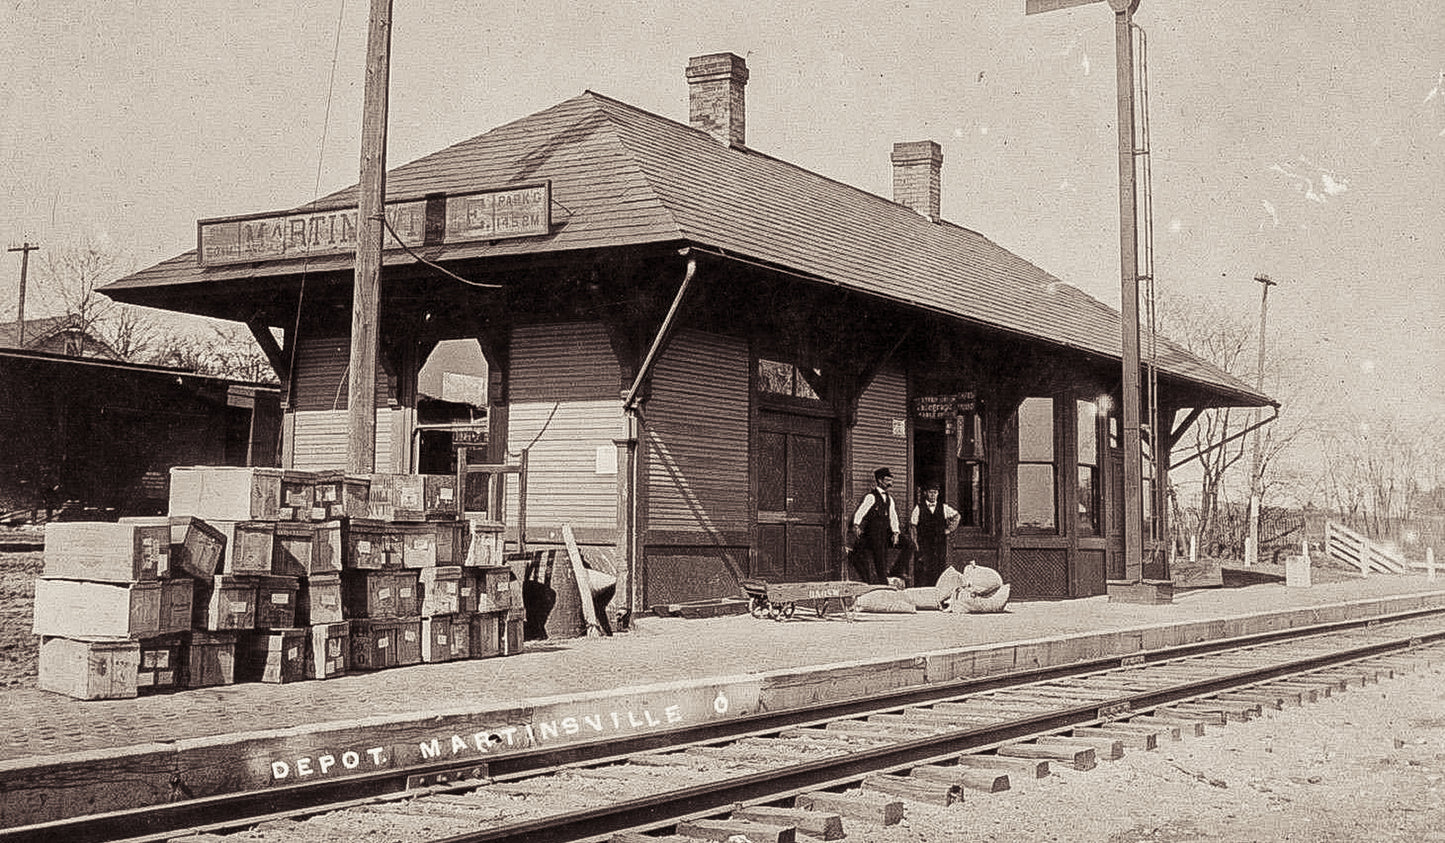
<point x="1128" y="276"/>
<point x="1251" y="545"/>
<point x="361" y="382"/>
<point x="24" y="249"/>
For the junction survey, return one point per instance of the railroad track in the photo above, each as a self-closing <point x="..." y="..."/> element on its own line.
<point x="823" y="771"/>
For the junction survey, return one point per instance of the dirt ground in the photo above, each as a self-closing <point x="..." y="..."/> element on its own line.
<point x="1363" y="765"/>
<point x="19" y="649"/>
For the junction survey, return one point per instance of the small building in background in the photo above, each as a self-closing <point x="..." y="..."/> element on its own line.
<point x="97" y="438"/>
<point x="66" y="335"/>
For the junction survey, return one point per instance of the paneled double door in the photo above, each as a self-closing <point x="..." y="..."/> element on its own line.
<point x="792" y="498"/>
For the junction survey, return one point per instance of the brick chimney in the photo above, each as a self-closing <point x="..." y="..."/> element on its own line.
<point x="715" y="96"/>
<point x="917" y="168"/>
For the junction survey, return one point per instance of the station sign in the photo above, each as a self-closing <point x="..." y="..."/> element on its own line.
<point x="943" y="406"/>
<point x="523" y="211"/>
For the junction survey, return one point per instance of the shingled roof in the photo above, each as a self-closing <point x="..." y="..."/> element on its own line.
<point x="622" y="176"/>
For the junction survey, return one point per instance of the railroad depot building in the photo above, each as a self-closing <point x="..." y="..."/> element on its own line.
<point x="705" y="351"/>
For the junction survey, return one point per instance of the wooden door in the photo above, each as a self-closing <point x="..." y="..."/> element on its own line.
<point x="792" y="494"/>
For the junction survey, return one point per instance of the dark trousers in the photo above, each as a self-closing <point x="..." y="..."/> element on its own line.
<point x="931" y="559"/>
<point x="870" y="557"/>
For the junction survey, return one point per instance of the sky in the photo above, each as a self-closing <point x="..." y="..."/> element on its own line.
<point x="1302" y="140"/>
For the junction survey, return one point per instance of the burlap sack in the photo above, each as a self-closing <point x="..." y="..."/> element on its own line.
<point x="884" y="600"/>
<point x="925" y="598"/>
<point x="980" y="581"/>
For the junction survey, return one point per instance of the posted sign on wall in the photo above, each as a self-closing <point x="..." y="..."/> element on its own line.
<point x="483" y="215"/>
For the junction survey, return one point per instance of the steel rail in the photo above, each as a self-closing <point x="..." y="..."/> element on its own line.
<point x="161" y="822"/>
<point x="822" y="774"/>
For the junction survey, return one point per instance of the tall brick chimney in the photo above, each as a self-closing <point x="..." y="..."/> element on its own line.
<point x="917" y="171"/>
<point x="715" y="96"/>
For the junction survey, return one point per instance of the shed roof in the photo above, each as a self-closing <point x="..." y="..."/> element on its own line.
<point x="622" y="176"/>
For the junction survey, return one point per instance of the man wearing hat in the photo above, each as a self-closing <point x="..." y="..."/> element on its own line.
<point x="932" y="521"/>
<point x="875" y="529"/>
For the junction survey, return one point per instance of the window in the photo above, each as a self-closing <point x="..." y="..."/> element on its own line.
<point x="972" y="471"/>
<point x="777" y="378"/>
<point x="1087" y="434"/>
<point x="1037" y="509"/>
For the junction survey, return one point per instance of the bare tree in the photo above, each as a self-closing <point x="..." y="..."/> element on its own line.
<point x="227" y="351"/>
<point x="1229" y="340"/>
<point x="71" y="277"/>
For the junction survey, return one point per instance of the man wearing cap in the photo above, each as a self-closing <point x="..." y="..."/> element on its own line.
<point x="875" y="528"/>
<point x="932" y="521"/>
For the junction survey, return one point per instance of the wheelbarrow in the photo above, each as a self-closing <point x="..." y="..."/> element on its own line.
<point x="780" y="601"/>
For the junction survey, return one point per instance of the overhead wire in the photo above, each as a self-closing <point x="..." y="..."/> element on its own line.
<point x="434" y="265"/>
<point x="315" y="194"/>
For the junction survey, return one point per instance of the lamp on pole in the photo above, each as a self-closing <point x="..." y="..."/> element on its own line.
<point x="1251" y="545"/>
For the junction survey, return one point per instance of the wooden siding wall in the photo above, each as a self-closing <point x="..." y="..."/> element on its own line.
<point x="565" y="405"/>
<point x="317" y="440"/>
<point x="874" y="445"/>
<point x="320" y="382"/>
<point x="697" y="440"/>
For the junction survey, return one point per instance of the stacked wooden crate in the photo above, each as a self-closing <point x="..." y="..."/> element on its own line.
<point x="263" y="575"/>
<point x="108" y="610"/>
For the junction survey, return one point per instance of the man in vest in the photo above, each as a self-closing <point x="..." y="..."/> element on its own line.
<point x="875" y="529"/>
<point x="932" y="522"/>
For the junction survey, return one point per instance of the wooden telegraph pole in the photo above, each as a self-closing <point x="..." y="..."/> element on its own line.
<point x="1251" y="547"/>
<point x="1128" y="275"/>
<point x="24" y="249"/>
<point x="361" y="383"/>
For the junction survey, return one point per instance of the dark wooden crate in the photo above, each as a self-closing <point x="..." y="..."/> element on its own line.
<point x="274" y="656"/>
<point x="210" y="659"/>
<point x="318" y="600"/>
<point x="329" y="653"/>
<point x="161" y="664"/>
<point x="225" y="604"/>
<point x="275" y="602"/>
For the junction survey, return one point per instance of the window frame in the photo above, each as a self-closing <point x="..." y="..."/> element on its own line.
<point x="1052" y="465"/>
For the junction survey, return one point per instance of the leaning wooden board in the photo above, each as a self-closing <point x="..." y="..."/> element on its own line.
<point x="579" y="573"/>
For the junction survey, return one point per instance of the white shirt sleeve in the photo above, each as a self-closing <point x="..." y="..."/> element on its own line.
<point x="862" y="510"/>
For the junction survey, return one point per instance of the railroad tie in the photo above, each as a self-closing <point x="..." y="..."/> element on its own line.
<point x="955" y="719"/>
<point x="1161" y="731"/>
<point x="1027" y="768"/>
<point x="1105" y="749"/>
<point x="1080" y="757"/>
<point x="868" y="807"/>
<point x="917" y="790"/>
<point x="907" y="723"/>
<point x="738" y="756"/>
<point x="1309" y="692"/>
<point x="1271" y="696"/>
<point x="1128" y="737"/>
<point x="819" y="825"/>
<point x="737" y="829"/>
<point x="835" y="736"/>
<point x="662" y="759"/>
<point x="987" y="781"/>
<point x="1339" y="679"/>
<point x="1228" y="712"/>
<point x="1188" y="724"/>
